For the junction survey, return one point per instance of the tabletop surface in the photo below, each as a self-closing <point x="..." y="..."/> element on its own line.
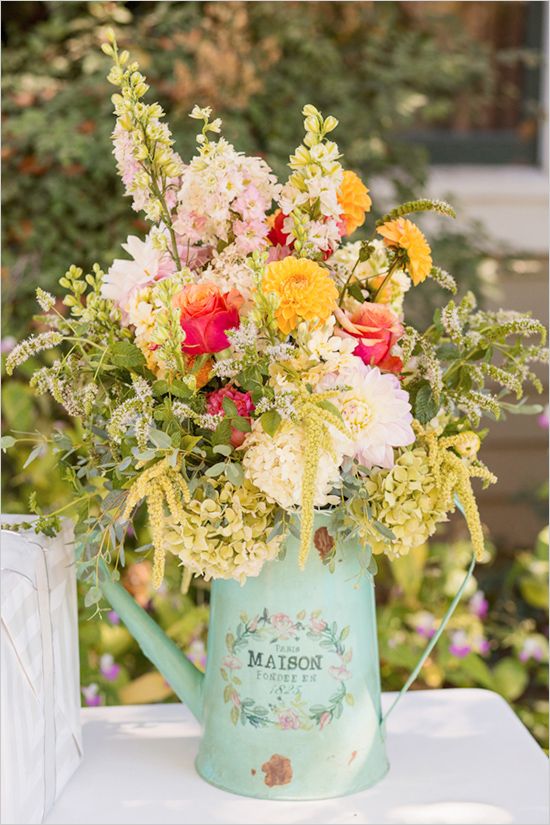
<point x="457" y="756"/>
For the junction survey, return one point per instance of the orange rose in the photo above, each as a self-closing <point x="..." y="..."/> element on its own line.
<point x="376" y="329"/>
<point x="206" y="314"/>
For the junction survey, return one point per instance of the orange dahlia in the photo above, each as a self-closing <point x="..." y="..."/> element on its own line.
<point x="305" y="290"/>
<point x="353" y="197"/>
<point x="406" y="235"/>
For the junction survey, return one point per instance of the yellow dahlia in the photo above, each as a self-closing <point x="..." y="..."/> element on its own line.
<point x="406" y="235"/>
<point x="353" y="197"/>
<point x="305" y="290"/>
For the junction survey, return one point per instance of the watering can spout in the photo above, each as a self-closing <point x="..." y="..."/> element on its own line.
<point x="183" y="677"/>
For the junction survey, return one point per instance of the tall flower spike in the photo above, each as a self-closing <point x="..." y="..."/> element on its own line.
<point x="159" y="485"/>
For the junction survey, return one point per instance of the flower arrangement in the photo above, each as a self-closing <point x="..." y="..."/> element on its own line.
<point x="246" y="364"/>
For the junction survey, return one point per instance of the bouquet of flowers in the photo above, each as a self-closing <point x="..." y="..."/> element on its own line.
<point x="245" y="364"/>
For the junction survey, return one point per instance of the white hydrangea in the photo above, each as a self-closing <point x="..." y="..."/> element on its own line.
<point x="275" y="465"/>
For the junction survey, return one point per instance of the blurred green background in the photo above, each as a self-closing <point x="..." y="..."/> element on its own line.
<point x="415" y="86"/>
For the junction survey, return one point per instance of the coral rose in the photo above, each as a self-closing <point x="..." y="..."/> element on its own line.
<point x="376" y="329"/>
<point x="206" y="314"/>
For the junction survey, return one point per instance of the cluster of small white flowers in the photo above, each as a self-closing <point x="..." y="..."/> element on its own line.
<point x="312" y="189"/>
<point x="224" y="196"/>
<point x="226" y="368"/>
<point x="76" y="401"/>
<point x="282" y="402"/>
<point x="182" y="410"/>
<point x="46" y="300"/>
<point x="208" y="421"/>
<point x="450" y="319"/>
<point x="31" y="346"/>
<point x="136" y="412"/>
<point x="280" y="352"/>
<point x="142" y="389"/>
<point x="243" y="336"/>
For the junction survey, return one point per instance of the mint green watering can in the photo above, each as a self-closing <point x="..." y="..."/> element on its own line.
<point x="290" y="701"/>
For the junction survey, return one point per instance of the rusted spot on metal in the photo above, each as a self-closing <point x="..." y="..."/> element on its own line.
<point x="323" y="541"/>
<point x="253" y="771"/>
<point x="278" y="771"/>
<point x="352" y="757"/>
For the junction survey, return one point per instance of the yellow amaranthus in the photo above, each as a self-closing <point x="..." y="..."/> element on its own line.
<point x="159" y="485"/>
<point x="314" y="419"/>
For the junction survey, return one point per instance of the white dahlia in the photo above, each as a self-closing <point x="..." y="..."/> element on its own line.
<point x="275" y="465"/>
<point x="375" y="409"/>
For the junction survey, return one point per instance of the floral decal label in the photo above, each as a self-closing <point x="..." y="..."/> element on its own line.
<point x="282" y="659"/>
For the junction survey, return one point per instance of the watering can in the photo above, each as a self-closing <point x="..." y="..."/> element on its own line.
<point x="290" y="700"/>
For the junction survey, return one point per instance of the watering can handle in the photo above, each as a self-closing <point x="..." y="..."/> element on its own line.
<point x="433" y="641"/>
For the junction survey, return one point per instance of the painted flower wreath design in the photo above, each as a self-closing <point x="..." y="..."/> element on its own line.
<point x="287" y="713"/>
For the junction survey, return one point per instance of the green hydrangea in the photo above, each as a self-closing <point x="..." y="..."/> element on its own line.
<point x="227" y="532"/>
<point x="405" y="500"/>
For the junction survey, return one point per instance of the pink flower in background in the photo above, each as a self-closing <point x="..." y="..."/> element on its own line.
<point x="113" y="617"/>
<point x="283" y="626"/>
<point x="92" y="696"/>
<point x="196" y="653"/>
<point x="544" y="418"/>
<point x="425" y="624"/>
<point x="481" y="645"/>
<point x="7" y="344"/>
<point x="232" y="663"/>
<point x="108" y="667"/>
<point x="479" y="605"/>
<point x="243" y="402"/>
<point x="288" y="720"/>
<point x="533" y="648"/>
<point x="459" y="646"/>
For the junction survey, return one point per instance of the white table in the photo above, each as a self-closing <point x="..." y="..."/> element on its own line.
<point x="457" y="756"/>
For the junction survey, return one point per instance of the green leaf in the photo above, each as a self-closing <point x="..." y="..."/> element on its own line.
<point x="230" y="408"/>
<point x="327" y="405"/>
<point x="354" y="289"/>
<point x="38" y="450"/>
<point x="511" y="678"/>
<point x="241" y="424"/>
<point x="222" y="433"/>
<point x="7" y="441"/>
<point x="93" y="596"/>
<point x="234" y="473"/>
<point x="160" y="439"/>
<point x="425" y="405"/>
<point x="270" y="421"/>
<point x="126" y="354"/>
<point x="215" y="470"/>
<point x="222" y="449"/>
<point x="476" y="669"/>
<point x="176" y="388"/>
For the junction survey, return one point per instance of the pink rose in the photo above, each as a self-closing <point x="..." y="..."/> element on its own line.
<point x="377" y="329"/>
<point x="283" y="626"/>
<point x="206" y="314"/>
<point x="288" y="720"/>
<point x="243" y="402"/>
<point x="317" y="625"/>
